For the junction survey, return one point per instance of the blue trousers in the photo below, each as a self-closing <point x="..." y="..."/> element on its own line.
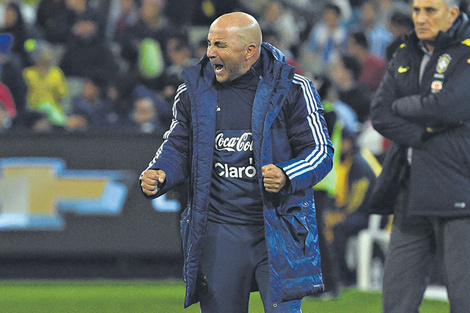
<point x="234" y="262"/>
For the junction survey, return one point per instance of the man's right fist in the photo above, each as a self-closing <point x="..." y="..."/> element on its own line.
<point x="151" y="181"/>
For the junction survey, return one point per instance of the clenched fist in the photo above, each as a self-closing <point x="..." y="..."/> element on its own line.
<point x="273" y="178"/>
<point x="151" y="181"/>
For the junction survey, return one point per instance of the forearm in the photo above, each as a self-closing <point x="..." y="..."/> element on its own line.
<point x="173" y="155"/>
<point x="388" y="123"/>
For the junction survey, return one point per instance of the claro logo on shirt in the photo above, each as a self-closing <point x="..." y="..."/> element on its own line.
<point x="225" y="170"/>
<point x="234" y="144"/>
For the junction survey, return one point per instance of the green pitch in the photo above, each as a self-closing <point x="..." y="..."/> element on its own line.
<point x="156" y="297"/>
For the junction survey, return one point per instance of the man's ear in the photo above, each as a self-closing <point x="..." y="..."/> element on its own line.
<point x="251" y="50"/>
<point x="454" y="12"/>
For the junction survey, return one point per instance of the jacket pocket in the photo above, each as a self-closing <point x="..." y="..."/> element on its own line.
<point x="297" y="225"/>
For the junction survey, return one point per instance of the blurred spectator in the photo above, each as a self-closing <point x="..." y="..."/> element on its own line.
<point x="326" y="41"/>
<point x="124" y="90"/>
<point x="86" y="52"/>
<point x="143" y="44"/>
<point x="346" y="10"/>
<point x="270" y="36"/>
<point x="11" y="75"/>
<point x="373" y="141"/>
<point x="377" y="33"/>
<point x="355" y="4"/>
<point x="144" y="117"/>
<point x="122" y="15"/>
<point x="204" y="12"/>
<point x="373" y="67"/>
<point x="201" y="48"/>
<point x="46" y="84"/>
<point x="180" y="54"/>
<point x="7" y="108"/>
<point x="181" y="12"/>
<point x="255" y="8"/>
<point x="329" y="97"/>
<point x="280" y="20"/>
<point x="27" y="8"/>
<point x="345" y="74"/>
<point x="121" y="92"/>
<point x="400" y="25"/>
<point x="85" y="19"/>
<point x="389" y="7"/>
<point x="91" y="110"/>
<point x="164" y="108"/>
<point x="356" y="175"/>
<point x="20" y="30"/>
<point x="51" y="19"/>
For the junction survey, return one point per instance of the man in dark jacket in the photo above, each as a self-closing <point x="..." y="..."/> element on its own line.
<point x="250" y="135"/>
<point x="422" y="106"/>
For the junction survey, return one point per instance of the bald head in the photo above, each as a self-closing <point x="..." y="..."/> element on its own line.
<point x="233" y="45"/>
<point x="240" y="24"/>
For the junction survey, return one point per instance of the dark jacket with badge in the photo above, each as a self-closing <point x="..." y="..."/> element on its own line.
<point x="433" y="118"/>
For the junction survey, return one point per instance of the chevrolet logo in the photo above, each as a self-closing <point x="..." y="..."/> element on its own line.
<point x="402" y="69"/>
<point x="33" y="191"/>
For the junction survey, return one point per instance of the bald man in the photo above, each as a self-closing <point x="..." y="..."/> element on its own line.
<point x="250" y="136"/>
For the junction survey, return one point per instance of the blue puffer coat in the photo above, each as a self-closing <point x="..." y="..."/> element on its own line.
<point x="288" y="130"/>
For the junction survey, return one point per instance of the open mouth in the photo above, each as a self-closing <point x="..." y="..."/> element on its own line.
<point x="218" y="68"/>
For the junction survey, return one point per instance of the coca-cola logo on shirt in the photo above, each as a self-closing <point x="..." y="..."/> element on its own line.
<point x="234" y="144"/>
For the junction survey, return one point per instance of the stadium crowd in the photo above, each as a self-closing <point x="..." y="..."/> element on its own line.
<point x="87" y="65"/>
